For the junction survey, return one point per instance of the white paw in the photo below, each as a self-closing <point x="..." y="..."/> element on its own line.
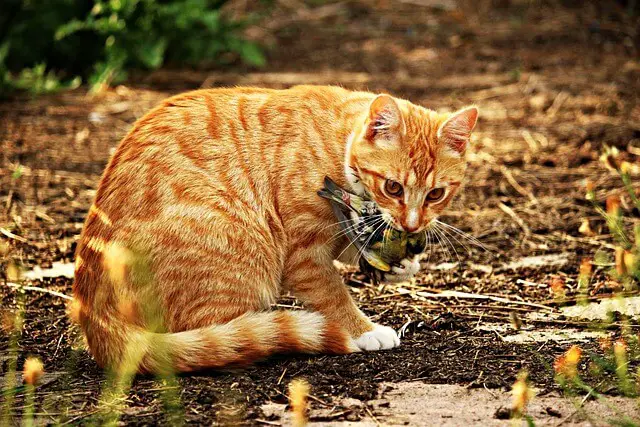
<point x="405" y="272"/>
<point x="381" y="338"/>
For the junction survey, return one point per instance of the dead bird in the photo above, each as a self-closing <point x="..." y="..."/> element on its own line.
<point x="353" y="202"/>
<point x="382" y="247"/>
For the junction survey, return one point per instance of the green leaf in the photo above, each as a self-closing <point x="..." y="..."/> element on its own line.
<point x="603" y="258"/>
<point x="81" y="37"/>
<point x="252" y="54"/>
<point x="69" y="28"/>
<point x="4" y="52"/>
<point x="211" y="20"/>
<point x="152" y="54"/>
<point x="17" y="173"/>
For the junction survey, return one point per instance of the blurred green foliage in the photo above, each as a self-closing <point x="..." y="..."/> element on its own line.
<point x="46" y="44"/>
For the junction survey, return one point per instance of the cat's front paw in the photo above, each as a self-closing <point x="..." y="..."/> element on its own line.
<point x="407" y="269"/>
<point x="380" y="338"/>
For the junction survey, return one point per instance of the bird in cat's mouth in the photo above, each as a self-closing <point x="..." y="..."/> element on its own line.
<point x="382" y="246"/>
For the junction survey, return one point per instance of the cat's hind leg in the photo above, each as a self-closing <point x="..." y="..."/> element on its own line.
<point x="309" y="273"/>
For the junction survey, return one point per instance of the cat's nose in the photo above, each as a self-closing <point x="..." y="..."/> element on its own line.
<point x="412" y="221"/>
<point x="410" y="229"/>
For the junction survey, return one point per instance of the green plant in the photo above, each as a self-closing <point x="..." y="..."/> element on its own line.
<point x="11" y="323"/>
<point x="624" y="230"/>
<point x="37" y="80"/>
<point x="119" y="259"/>
<point x="623" y="268"/>
<point x="100" y="40"/>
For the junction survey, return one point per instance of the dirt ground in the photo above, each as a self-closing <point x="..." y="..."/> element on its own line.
<point x="554" y="81"/>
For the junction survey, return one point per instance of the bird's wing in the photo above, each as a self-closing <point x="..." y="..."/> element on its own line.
<point x="333" y="192"/>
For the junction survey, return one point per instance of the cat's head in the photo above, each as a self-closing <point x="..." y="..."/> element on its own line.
<point x="409" y="160"/>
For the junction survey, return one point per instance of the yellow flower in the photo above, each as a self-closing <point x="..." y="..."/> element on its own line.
<point x="521" y="393"/>
<point x="585" y="268"/>
<point x="629" y="260"/>
<point x="298" y="395"/>
<point x="573" y="355"/>
<point x="559" y="365"/>
<point x="558" y="288"/>
<point x="33" y="370"/>
<point x="613" y="205"/>
<point x="591" y="190"/>
<point x="589" y="185"/>
<point x="13" y="272"/>
<point x="585" y="228"/>
<point x="621" y="267"/>
<point x="567" y="365"/>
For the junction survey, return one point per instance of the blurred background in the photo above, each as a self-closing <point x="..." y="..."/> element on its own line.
<point x="49" y="45"/>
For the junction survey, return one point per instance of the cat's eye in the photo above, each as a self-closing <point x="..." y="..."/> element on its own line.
<point x="393" y="188"/>
<point x="435" y="195"/>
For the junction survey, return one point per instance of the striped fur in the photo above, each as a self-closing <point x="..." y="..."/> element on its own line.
<point x="207" y="211"/>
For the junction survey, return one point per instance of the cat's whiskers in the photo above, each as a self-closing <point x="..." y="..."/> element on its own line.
<point x="353" y="227"/>
<point x="385" y="236"/>
<point x="360" y="252"/>
<point x="356" y="238"/>
<point x="436" y="239"/>
<point x="442" y="242"/>
<point x="471" y="239"/>
<point x="427" y="238"/>
<point x="448" y="241"/>
<point x="336" y="223"/>
<point x="343" y="231"/>
<point x="431" y="242"/>
<point x="455" y="238"/>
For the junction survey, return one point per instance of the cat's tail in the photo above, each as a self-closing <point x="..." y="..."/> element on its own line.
<point x="242" y="341"/>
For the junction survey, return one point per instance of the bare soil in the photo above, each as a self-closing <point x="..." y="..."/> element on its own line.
<point x="555" y="82"/>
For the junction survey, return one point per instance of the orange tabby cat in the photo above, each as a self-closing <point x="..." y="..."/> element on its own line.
<point x="209" y="209"/>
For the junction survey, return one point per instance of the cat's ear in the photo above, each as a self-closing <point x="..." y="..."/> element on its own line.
<point x="385" y="120"/>
<point x="456" y="130"/>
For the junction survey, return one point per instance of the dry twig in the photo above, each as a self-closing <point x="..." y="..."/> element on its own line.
<point x="10" y="235"/>
<point x="38" y="289"/>
<point x="466" y="295"/>
<point x="506" y="209"/>
<point x="520" y="189"/>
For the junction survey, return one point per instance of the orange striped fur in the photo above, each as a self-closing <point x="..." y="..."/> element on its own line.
<point x="208" y="210"/>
